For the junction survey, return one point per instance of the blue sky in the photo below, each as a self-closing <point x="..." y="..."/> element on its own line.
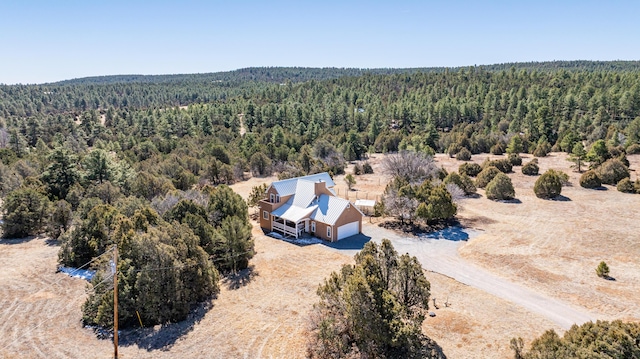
<point x="43" y="41"/>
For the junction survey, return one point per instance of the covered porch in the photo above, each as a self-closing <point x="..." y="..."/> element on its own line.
<point x="289" y="228"/>
<point x="291" y="220"/>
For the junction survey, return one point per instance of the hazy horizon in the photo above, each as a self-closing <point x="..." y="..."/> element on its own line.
<point x="50" y="42"/>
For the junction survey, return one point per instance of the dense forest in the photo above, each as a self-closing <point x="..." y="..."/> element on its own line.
<point x="141" y="162"/>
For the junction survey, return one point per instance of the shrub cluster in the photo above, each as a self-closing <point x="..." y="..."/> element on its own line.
<point x="515" y="159"/>
<point x="470" y="169"/>
<point x="497" y="149"/>
<point x="486" y="176"/>
<point x="463" y="155"/>
<point x="612" y="171"/>
<point x="601" y="339"/>
<point x="503" y="165"/>
<point x="590" y="179"/>
<point x="542" y="150"/>
<point x="633" y="149"/>
<point x="500" y="188"/>
<point x="627" y="186"/>
<point x="531" y="168"/>
<point x="549" y="185"/>
<point x="461" y="180"/>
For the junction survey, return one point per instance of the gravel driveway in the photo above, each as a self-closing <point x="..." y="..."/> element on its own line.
<point x="440" y="255"/>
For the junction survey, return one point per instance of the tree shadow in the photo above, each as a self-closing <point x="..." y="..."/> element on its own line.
<point x="610" y="278"/>
<point x="601" y="188"/>
<point x="12" y="241"/>
<point x="512" y="201"/>
<point x="354" y="242"/>
<point x="561" y="198"/>
<point x="241" y="278"/>
<point x="52" y="242"/>
<point x="163" y="337"/>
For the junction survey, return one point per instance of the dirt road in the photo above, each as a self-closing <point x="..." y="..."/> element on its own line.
<point x="441" y="256"/>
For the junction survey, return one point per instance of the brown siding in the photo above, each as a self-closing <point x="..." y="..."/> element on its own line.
<point x="349" y="215"/>
<point x="265" y="205"/>
<point x="321" y="188"/>
<point x="264" y="223"/>
<point x="321" y="231"/>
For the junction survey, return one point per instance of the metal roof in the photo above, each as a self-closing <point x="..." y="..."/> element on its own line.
<point x="365" y="202"/>
<point x="288" y="187"/>
<point x="293" y="213"/>
<point x="329" y="209"/>
<point x="305" y="193"/>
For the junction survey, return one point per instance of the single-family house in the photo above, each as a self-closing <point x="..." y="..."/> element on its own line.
<point x="309" y="204"/>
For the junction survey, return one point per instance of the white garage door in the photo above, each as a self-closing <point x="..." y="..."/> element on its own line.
<point x="348" y="230"/>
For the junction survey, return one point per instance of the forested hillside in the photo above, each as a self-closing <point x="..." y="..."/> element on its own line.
<point x="145" y="155"/>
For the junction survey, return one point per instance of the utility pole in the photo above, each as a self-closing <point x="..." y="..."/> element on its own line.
<point x="115" y="302"/>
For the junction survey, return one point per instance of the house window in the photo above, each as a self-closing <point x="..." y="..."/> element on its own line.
<point x="313" y="227"/>
<point x="328" y="232"/>
<point x="265" y="214"/>
<point x="272" y="197"/>
<point x="277" y="198"/>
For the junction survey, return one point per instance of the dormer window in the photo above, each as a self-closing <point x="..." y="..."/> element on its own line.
<point x="277" y="198"/>
<point x="272" y="198"/>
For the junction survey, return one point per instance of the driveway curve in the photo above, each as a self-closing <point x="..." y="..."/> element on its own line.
<point x="441" y="256"/>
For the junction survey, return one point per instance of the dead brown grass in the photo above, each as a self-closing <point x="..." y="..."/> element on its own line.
<point x="550" y="246"/>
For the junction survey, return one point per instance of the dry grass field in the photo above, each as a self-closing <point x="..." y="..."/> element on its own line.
<point x="550" y="246"/>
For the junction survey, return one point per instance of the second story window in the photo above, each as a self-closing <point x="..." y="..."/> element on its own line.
<point x="272" y="198"/>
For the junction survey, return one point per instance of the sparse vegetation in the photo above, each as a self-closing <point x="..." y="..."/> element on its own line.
<point x="487" y="174"/>
<point x="634" y="149"/>
<point x="543" y="148"/>
<point x="366" y="168"/>
<point x="599" y="340"/>
<point x="514" y="159"/>
<point x="350" y="181"/>
<point x="626" y="186"/>
<point x="612" y="171"/>
<point x="470" y="169"/>
<point x="578" y="156"/>
<point x="24" y="213"/>
<point x="504" y="165"/>
<point x="497" y="149"/>
<point x="463" y="155"/>
<point x="602" y="270"/>
<point x="531" y="168"/>
<point x="516" y="145"/>
<point x="500" y="188"/>
<point x="461" y="180"/>
<point x="549" y="185"/>
<point x="373" y="309"/>
<point x="590" y="179"/>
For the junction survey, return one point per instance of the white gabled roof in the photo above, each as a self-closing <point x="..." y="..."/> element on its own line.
<point x="305" y="193"/>
<point x="293" y="213"/>
<point x="306" y="204"/>
<point x="329" y="209"/>
<point x="288" y="187"/>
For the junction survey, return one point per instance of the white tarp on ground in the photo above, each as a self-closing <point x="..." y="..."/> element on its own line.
<point x="78" y="273"/>
<point x="365" y="203"/>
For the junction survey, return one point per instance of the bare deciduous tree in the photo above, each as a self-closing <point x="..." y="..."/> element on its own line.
<point x="415" y="167"/>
